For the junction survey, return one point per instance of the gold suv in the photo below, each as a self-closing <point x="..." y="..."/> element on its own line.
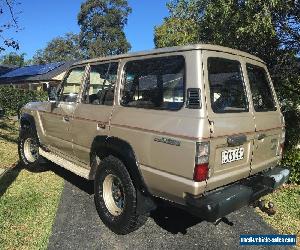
<point x="198" y="125"/>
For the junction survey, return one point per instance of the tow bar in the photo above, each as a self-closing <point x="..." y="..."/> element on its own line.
<point x="268" y="209"/>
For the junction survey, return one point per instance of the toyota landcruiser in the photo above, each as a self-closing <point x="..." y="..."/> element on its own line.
<point x="199" y="126"/>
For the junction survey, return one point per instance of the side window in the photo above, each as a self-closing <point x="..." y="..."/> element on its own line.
<point x="71" y="84"/>
<point x="263" y="99"/>
<point x="227" y="88"/>
<point x="101" y="85"/>
<point x="156" y="83"/>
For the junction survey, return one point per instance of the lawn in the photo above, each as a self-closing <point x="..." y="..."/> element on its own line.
<point x="8" y="142"/>
<point x="28" y="202"/>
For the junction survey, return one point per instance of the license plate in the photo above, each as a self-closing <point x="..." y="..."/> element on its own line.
<point x="231" y="155"/>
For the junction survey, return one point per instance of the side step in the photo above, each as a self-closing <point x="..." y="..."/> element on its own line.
<point x="85" y="173"/>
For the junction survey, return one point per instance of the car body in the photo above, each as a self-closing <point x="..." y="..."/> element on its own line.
<point x="197" y="125"/>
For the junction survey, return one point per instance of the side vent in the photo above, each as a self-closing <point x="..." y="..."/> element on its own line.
<point x="193" y="98"/>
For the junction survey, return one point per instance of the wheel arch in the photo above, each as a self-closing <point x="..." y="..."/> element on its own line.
<point x="104" y="146"/>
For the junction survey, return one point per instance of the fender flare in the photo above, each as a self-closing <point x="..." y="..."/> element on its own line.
<point x="27" y="120"/>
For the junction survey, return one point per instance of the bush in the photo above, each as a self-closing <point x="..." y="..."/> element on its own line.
<point x="292" y="160"/>
<point x="12" y="99"/>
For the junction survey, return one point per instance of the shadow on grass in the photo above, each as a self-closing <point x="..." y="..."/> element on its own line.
<point x="9" y="138"/>
<point x="81" y="183"/>
<point x="8" y="125"/>
<point x="8" y="178"/>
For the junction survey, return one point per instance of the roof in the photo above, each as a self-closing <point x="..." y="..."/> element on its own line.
<point x="34" y="73"/>
<point x="4" y="68"/>
<point x="173" y="49"/>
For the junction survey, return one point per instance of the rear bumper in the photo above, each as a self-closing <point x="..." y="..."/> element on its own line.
<point x="221" y="202"/>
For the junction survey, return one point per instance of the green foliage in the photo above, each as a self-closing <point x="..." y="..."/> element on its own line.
<point x="11" y="99"/>
<point x="178" y="31"/>
<point x="102" y="23"/>
<point x="13" y="58"/>
<point x="269" y="29"/>
<point x="292" y="160"/>
<point x="59" y="49"/>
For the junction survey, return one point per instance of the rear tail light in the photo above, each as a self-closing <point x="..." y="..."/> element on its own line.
<point x="201" y="170"/>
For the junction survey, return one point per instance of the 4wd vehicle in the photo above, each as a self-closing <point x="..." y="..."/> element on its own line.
<point x="198" y="125"/>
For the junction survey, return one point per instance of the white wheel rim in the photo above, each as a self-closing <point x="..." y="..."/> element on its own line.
<point x="31" y="150"/>
<point x="113" y="194"/>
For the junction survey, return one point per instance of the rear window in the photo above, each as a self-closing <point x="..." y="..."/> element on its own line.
<point x="156" y="83"/>
<point x="263" y="99"/>
<point x="227" y="88"/>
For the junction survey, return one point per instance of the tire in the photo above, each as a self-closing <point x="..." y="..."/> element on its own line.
<point x="115" y="197"/>
<point x="28" y="148"/>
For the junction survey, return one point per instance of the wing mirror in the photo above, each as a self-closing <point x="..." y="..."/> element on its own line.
<point x="52" y="93"/>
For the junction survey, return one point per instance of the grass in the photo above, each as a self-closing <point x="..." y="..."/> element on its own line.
<point x="8" y="142"/>
<point x="28" y="201"/>
<point x="287" y="203"/>
<point x="28" y="208"/>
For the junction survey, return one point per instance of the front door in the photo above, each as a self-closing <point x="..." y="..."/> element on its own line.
<point x="268" y="119"/>
<point x="232" y="124"/>
<point x="56" y="121"/>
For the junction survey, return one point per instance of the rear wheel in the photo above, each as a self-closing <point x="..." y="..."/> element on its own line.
<point x="115" y="197"/>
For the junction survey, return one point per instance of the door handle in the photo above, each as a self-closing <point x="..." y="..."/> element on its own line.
<point x="261" y="136"/>
<point x="236" y="140"/>
<point x="101" y="125"/>
<point x="66" y="119"/>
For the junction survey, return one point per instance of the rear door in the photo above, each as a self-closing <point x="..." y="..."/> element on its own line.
<point x="92" y="115"/>
<point x="268" y="119"/>
<point x="232" y="124"/>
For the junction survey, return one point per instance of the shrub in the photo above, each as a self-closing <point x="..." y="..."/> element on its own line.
<point x="292" y="160"/>
<point x="12" y="99"/>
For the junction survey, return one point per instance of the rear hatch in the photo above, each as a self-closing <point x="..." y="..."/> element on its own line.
<point x="232" y="123"/>
<point x="268" y="119"/>
<point x="243" y="141"/>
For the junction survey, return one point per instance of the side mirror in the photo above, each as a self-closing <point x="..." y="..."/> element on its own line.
<point x="52" y="93"/>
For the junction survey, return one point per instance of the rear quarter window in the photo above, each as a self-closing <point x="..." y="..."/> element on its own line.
<point x="156" y="83"/>
<point x="262" y="96"/>
<point x="227" y="88"/>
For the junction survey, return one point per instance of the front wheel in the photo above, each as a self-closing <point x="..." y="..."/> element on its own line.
<point x="115" y="197"/>
<point x="28" y="148"/>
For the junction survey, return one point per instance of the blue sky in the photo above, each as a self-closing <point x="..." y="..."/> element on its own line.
<point x="43" y="20"/>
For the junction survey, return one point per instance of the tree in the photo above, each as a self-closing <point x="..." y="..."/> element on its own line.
<point x="14" y="59"/>
<point x="269" y="29"/>
<point x="102" y="25"/>
<point x="59" y="49"/>
<point x="9" y="24"/>
<point x="179" y="31"/>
